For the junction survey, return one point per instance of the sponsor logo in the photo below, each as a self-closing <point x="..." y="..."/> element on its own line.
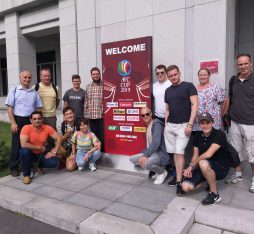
<point x="125" y="104"/>
<point x="118" y="111"/>
<point x="118" y="118"/>
<point x="126" y="49"/>
<point x="132" y="111"/>
<point x="133" y="118"/>
<point x="139" y="104"/>
<point x="113" y="128"/>
<point x="126" y="128"/>
<point x="112" y="104"/>
<point x="124" y="68"/>
<point x="139" y="129"/>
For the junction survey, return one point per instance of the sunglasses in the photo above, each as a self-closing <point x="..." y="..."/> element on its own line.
<point x="160" y="73"/>
<point x="146" y="114"/>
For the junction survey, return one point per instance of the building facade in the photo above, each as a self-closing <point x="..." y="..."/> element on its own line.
<point x="66" y="36"/>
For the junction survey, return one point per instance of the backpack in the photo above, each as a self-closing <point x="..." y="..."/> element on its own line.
<point x="234" y="159"/>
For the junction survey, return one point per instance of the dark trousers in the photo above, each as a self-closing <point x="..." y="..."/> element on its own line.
<point x="27" y="158"/>
<point x="96" y="126"/>
<point x="15" y="143"/>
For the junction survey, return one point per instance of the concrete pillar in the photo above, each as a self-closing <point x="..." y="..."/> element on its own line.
<point x="20" y="51"/>
<point x="68" y="42"/>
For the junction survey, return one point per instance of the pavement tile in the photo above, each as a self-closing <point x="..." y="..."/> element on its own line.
<point x="178" y="217"/>
<point x="12" y="199"/>
<point x="106" y="189"/>
<point x="104" y="223"/>
<point x="52" y="192"/>
<point x="131" y="213"/>
<point x="148" y="199"/>
<point x="18" y="184"/>
<point x="129" y="179"/>
<point x="76" y="182"/>
<point x="51" y="178"/>
<point x="88" y="201"/>
<point x="227" y="232"/>
<point x="240" y="198"/>
<point x="226" y="218"/>
<point x="6" y="179"/>
<point x="60" y="214"/>
<point x="201" y="229"/>
<point x="100" y="174"/>
<point x="148" y="183"/>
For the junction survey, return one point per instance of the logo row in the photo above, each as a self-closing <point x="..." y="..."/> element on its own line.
<point x="126" y="128"/>
<point x="126" y="104"/>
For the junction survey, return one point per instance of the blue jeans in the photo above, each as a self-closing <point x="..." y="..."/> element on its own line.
<point x="91" y="159"/>
<point x="27" y="158"/>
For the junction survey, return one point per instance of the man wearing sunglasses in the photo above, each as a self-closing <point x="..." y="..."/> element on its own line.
<point x="159" y="89"/>
<point x="155" y="157"/>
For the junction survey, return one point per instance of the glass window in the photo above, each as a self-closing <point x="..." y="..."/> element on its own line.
<point x="3" y="77"/>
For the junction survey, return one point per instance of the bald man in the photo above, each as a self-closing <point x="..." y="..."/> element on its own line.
<point x="21" y="102"/>
<point x="155" y="157"/>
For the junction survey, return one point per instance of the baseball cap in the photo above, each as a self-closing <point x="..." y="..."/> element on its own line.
<point x="205" y="116"/>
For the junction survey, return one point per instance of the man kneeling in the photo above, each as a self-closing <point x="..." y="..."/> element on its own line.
<point x="33" y="138"/>
<point x="210" y="160"/>
<point x="155" y="157"/>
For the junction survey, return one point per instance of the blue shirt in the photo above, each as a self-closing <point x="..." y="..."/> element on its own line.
<point x="23" y="101"/>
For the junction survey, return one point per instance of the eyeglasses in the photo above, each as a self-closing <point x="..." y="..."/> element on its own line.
<point x="146" y="114"/>
<point x="160" y="73"/>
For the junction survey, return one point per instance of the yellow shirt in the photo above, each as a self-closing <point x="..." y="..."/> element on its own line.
<point x="48" y="98"/>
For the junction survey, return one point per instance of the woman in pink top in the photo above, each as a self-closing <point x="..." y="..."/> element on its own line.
<point x="211" y="98"/>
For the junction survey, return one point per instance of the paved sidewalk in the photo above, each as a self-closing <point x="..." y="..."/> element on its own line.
<point x="107" y="201"/>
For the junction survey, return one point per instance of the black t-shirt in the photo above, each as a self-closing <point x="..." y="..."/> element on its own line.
<point x="218" y="137"/>
<point x="178" y="99"/>
<point x="242" y="101"/>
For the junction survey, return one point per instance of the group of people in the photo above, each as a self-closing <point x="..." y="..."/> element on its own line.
<point x="182" y="114"/>
<point x="186" y="114"/>
<point x="36" y="143"/>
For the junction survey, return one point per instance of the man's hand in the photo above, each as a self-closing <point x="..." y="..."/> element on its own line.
<point x="187" y="172"/>
<point x="50" y="155"/>
<point x="188" y="130"/>
<point x="14" y="127"/>
<point x="143" y="161"/>
<point x="226" y="122"/>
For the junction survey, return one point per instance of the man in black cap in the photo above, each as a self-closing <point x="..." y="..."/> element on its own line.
<point x="210" y="160"/>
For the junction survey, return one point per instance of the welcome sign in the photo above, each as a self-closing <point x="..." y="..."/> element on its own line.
<point x="127" y="72"/>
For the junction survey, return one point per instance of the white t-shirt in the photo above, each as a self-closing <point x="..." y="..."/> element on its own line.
<point x="159" y="94"/>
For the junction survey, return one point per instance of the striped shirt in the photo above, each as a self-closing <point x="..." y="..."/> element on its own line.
<point x="94" y="101"/>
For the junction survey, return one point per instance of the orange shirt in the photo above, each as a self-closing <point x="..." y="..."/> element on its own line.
<point x="37" y="137"/>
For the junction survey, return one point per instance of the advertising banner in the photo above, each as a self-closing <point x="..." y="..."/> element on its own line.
<point x="126" y="72"/>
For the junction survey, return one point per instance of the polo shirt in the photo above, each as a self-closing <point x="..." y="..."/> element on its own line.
<point x="242" y="100"/>
<point x="218" y="137"/>
<point x="23" y="101"/>
<point x="36" y="136"/>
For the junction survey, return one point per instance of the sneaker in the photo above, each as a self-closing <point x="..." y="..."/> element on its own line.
<point x="211" y="199"/>
<point x="80" y="168"/>
<point x="151" y="174"/>
<point x="27" y="180"/>
<point x="179" y="191"/>
<point x="14" y="173"/>
<point x="161" y="177"/>
<point x="40" y="171"/>
<point x="172" y="182"/>
<point x="92" y="167"/>
<point x="234" y="180"/>
<point x="251" y="189"/>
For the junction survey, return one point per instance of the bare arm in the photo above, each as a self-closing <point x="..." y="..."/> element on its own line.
<point x="65" y="104"/>
<point x="166" y="113"/>
<point x="14" y="126"/>
<point x="194" y="111"/>
<point x="24" y="140"/>
<point x="225" y="106"/>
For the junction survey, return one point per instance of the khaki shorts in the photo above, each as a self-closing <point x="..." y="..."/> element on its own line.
<point x="175" y="138"/>
<point x="242" y="138"/>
